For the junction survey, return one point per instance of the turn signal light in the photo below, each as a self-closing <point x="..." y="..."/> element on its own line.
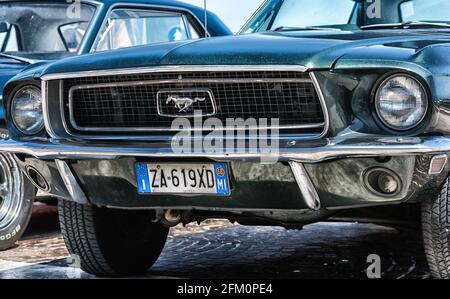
<point x="437" y="164"/>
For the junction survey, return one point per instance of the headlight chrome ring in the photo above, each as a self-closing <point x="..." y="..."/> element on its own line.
<point x="401" y="102"/>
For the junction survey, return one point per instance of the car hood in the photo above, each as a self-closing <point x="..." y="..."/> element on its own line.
<point x="314" y="49"/>
<point x="9" y="67"/>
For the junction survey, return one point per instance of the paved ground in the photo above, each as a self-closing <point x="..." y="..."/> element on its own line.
<point x="218" y="249"/>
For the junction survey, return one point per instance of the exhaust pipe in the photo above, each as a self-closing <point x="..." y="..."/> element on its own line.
<point x="171" y="218"/>
<point x="37" y="179"/>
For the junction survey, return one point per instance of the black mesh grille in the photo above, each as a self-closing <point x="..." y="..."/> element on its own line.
<point x="283" y="95"/>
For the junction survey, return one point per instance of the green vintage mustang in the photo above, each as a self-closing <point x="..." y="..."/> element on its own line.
<point x="289" y="123"/>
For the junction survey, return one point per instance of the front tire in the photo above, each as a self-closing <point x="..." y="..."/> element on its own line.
<point x="436" y="232"/>
<point x="16" y="201"/>
<point x="109" y="242"/>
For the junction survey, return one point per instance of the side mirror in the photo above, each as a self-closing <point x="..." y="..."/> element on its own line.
<point x="4" y="27"/>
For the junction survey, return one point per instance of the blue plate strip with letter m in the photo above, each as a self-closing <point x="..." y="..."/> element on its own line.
<point x="221" y="179"/>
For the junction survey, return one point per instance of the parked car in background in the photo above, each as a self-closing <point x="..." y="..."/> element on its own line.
<point x="33" y="33"/>
<point x="359" y="109"/>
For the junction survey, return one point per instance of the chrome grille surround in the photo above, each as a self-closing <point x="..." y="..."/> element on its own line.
<point x="78" y="131"/>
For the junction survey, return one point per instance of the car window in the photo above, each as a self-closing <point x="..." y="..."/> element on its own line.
<point x="72" y="34"/>
<point x="274" y="14"/>
<point x="135" y="27"/>
<point x="315" y="13"/>
<point x="35" y="27"/>
<point x="12" y="42"/>
<point x="425" y="10"/>
<point x="192" y="31"/>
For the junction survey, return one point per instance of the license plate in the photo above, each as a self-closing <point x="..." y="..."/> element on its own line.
<point x="171" y="178"/>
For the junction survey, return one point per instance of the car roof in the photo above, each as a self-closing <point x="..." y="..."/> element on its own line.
<point x="215" y="24"/>
<point x="171" y="3"/>
<point x="168" y="3"/>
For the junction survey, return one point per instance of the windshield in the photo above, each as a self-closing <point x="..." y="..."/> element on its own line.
<point x="43" y="29"/>
<point x="136" y="27"/>
<point x="345" y="14"/>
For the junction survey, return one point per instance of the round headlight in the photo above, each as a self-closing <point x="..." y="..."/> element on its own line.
<point x="26" y="110"/>
<point x="401" y="102"/>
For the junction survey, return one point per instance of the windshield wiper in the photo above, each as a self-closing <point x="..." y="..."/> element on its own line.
<point x="21" y="59"/>
<point x="287" y="28"/>
<point x="405" y="25"/>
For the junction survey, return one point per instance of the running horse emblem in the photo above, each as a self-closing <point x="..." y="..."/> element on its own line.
<point x="183" y="104"/>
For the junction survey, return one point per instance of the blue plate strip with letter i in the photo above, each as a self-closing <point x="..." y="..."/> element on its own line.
<point x="143" y="178"/>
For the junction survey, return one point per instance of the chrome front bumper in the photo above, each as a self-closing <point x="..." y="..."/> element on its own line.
<point x="298" y="151"/>
<point x="303" y="157"/>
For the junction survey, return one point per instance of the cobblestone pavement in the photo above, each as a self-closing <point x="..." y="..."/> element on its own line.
<point x="218" y="249"/>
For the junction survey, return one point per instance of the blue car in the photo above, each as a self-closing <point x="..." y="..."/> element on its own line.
<point x="34" y="33"/>
<point x="346" y="103"/>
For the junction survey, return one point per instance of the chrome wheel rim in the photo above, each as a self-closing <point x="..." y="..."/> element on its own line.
<point x="11" y="194"/>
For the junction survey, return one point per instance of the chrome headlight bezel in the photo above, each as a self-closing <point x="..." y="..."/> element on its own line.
<point x="38" y="126"/>
<point x="376" y="96"/>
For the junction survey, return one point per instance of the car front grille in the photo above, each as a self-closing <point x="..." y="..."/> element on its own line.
<point x="120" y="104"/>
